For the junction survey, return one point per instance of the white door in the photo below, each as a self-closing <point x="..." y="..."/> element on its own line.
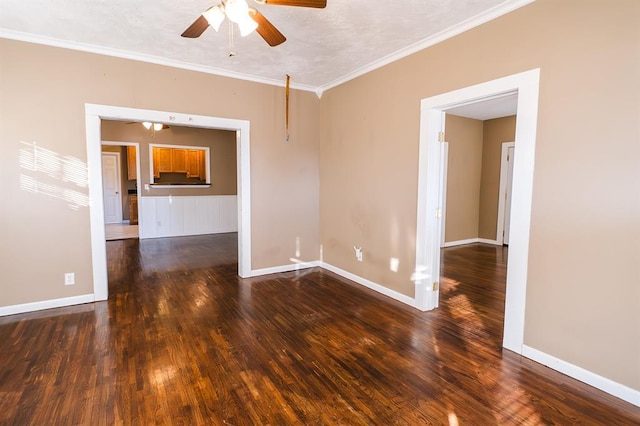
<point x="111" y="187"/>
<point x="507" y="197"/>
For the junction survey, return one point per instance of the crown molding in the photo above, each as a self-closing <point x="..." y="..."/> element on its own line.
<point x="125" y="54"/>
<point x="482" y="18"/>
<point x="475" y="21"/>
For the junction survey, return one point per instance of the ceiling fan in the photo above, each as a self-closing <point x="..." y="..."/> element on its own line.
<point x="247" y="18"/>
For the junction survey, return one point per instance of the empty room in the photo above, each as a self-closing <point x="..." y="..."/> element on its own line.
<point x="286" y="248"/>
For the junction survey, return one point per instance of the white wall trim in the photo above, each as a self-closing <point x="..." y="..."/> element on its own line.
<point x="475" y="21"/>
<point x="488" y="241"/>
<point x="469" y="24"/>
<point x="502" y="189"/>
<point x="156" y="186"/>
<point x="461" y="242"/>
<point x="526" y="84"/>
<point x="134" y="56"/>
<point x="606" y="385"/>
<point x="444" y="163"/>
<point x="285" y="268"/>
<point x="95" y="113"/>
<point x="471" y="241"/>
<point x="370" y="284"/>
<point x="46" y="304"/>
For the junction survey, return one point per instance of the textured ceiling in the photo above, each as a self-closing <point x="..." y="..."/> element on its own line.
<point x="324" y="47"/>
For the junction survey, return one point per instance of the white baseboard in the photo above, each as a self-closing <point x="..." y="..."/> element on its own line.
<point x="471" y="241"/>
<point x="606" y="385"/>
<point x="46" y="304"/>
<point x="370" y="284"/>
<point x="486" y="241"/>
<point x="460" y="242"/>
<point x="285" y="268"/>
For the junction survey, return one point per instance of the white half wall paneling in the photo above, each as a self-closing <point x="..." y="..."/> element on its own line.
<point x="228" y="221"/>
<point x="172" y="216"/>
<point x="190" y="208"/>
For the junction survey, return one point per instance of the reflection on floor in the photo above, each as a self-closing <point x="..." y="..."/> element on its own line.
<point x="120" y="231"/>
<point x="184" y="340"/>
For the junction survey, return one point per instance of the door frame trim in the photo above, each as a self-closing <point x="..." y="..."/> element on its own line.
<point x="503" y="190"/>
<point x="428" y="229"/>
<point x="95" y="113"/>
<point x="444" y="161"/>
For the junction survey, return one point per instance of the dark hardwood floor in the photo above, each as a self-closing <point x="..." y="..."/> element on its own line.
<point x="183" y="340"/>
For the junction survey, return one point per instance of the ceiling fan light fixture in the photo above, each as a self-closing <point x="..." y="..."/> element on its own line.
<point x="236" y="10"/>
<point x="214" y="16"/>
<point x="157" y="126"/>
<point x="147" y="125"/>
<point x="247" y="26"/>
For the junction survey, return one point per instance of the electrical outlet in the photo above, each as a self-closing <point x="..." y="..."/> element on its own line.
<point x="358" y="251"/>
<point x="69" y="278"/>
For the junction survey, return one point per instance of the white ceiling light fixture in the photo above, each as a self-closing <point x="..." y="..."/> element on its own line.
<point x="237" y="11"/>
<point x="247" y="18"/>
<point x="214" y="16"/>
<point x="155" y="126"/>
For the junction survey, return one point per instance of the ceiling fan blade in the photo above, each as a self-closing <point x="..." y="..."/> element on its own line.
<point x="267" y="31"/>
<point x="196" y="29"/>
<point x="320" y="4"/>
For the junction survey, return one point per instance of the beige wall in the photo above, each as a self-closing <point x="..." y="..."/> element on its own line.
<point x="495" y="133"/>
<point x="464" y="169"/>
<point x="222" y="144"/>
<point x="43" y="91"/>
<point x="583" y="296"/>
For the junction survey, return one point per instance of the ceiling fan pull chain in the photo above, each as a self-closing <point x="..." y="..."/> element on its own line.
<point x="231" y="52"/>
<point x="286" y="114"/>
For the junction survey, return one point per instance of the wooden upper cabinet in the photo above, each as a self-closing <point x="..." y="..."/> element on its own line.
<point x="203" y="165"/>
<point x="132" y="168"/>
<point x="192" y="162"/>
<point x="164" y="159"/>
<point x="179" y="160"/>
<point x="155" y="156"/>
<point x="193" y="167"/>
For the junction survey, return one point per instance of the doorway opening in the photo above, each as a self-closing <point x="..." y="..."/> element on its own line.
<point x="430" y="193"/>
<point x="94" y="114"/>
<point x="112" y="187"/>
<point x="126" y="225"/>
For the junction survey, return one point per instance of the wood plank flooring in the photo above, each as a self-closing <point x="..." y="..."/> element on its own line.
<point x="120" y="231"/>
<point x="183" y="340"/>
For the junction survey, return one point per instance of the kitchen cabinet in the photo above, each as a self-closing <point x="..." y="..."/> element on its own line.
<point x="132" y="167"/>
<point x="203" y="165"/>
<point x="165" y="157"/>
<point x="193" y="169"/>
<point x="191" y="162"/>
<point x="133" y="209"/>
<point x="179" y="160"/>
